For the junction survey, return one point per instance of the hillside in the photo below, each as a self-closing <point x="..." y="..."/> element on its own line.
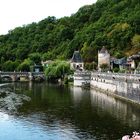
<point x="111" y="23"/>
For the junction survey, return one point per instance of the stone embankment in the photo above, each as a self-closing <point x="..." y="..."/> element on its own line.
<point x="81" y="78"/>
<point x="126" y="86"/>
<point x="123" y="85"/>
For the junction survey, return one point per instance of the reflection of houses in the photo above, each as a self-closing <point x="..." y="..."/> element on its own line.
<point x="103" y="57"/>
<point x="76" y="61"/>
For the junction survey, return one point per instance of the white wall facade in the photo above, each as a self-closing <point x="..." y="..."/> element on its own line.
<point x="77" y="65"/>
<point x="82" y="78"/>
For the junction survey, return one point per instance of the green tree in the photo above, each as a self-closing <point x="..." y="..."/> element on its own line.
<point x="136" y="40"/>
<point x="87" y="53"/>
<point x="58" y="69"/>
<point x="25" y="65"/>
<point x="10" y="65"/>
<point x="112" y="23"/>
<point x="35" y="57"/>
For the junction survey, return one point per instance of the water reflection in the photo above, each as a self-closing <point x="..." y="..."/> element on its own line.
<point x="77" y="94"/>
<point x="3" y="116"/>
<point x="130" y="90"/>
<point x="127" y="113"/>
<point x="69" y="113"/>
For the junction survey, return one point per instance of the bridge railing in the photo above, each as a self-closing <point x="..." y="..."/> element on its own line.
<point x="21" y="73"/>
<point x="12" y="73"/>
<point x="121" y="76"/>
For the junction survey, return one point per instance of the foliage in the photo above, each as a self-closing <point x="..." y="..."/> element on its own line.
<point x="10" y="65"/>
<point x="136" y="40"/>
<point x="122" y="71"/>
<point x="111" y="23"/>
<point x="25" y="65"/>
<point x="58" y="69"/>
<point x="104" y="67"/>
<point x="87" y="53"/>
<point x="35" y="57"/>
<point x="90" y="66"/>
<point x="116" y="69"/>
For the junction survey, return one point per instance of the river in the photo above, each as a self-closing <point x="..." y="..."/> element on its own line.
<point x="67" y="113"/>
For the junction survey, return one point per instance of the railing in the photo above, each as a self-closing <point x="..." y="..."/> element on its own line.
<point x="117" y="76"/>
<point x="21" y="73"/>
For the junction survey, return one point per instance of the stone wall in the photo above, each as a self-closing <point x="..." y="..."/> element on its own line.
<point x="124" y="85"/>
<point x="82" y="78"/>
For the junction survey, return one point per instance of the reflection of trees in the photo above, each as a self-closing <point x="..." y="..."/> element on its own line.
<point x="87" y="115"/>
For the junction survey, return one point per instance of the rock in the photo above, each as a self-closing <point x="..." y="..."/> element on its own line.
<point x="11" y="101"/>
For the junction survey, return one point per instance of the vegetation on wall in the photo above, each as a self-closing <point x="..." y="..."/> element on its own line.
<point x="112" y="23"/>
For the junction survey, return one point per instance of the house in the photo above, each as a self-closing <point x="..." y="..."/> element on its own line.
<point x="76" y="62"/>
<point x="46" y="63"/>
<point x="103" y="58"/>
<point x="134" y="60"/>
<point x="121" y="63"/>
<point x="37" y="68"/>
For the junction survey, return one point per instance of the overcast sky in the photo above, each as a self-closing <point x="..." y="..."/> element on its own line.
<point x="14" y="13"/>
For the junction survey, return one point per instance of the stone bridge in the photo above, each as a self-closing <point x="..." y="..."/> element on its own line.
<point x="17" y="76"/>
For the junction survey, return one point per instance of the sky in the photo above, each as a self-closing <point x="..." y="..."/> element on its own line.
<point x="15" y="13"/>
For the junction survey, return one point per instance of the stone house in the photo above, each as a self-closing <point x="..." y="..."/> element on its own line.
<point x="76" y="62"/>
<point x="119" y="63"/>
<point x="103" y="58"/>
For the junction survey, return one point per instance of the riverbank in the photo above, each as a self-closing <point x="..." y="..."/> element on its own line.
<point x="116" y="96"/>
<point x="122" y="85"/>
<point x="125" y="86"/>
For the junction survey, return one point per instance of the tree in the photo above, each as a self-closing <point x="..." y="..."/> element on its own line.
<point x="136" y="40"/>
<point x="58" y="69"/>
<point x="87" y="53"/>
<point x="10" y="65"/>
<point x="35" y="57"/>
<point x="25" y="65"/>
<point x="112" y="23"/>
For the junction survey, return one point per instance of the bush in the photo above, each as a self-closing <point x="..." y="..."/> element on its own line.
<point x="116" y="69"/>
<point x="122" y="71"/>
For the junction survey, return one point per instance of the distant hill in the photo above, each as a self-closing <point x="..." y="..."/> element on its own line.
<point x="111" y="23"/>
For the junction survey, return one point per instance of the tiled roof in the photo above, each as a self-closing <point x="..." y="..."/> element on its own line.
<point x="76" y="57"/>
<point x="120" y="61"/>
<point x="103" y="50"/>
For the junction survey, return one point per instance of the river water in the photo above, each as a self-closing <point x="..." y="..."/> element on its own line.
<point x="67" y="113"/>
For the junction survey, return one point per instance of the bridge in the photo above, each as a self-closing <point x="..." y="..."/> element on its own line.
<point x="19" y="76"/>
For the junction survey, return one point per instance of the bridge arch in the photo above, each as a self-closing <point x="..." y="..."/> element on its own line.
<point x="6" y="78"/>
<point x="38" y="78"/>
<point x="22" y="78"/>
<point x="25" y="76"/>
